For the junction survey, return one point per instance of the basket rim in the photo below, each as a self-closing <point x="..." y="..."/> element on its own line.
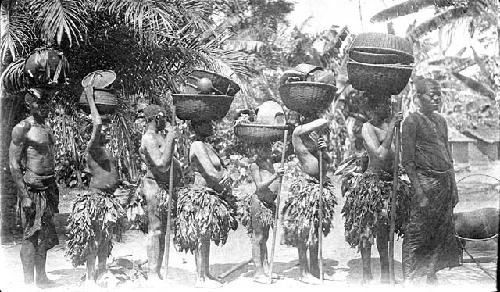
<point x="319" y="84"/>
<point x="391" y="50"/>
<point x="216" y="74"/>
<point x="263" y="126"/>
<point x="177" y="96"/>
<point x="391" y="66"/>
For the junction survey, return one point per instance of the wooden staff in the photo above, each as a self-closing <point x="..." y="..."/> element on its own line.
<point x="320" y="215"/>
<point x="393" y="197"/>
<point x="169" y="205"/>
<point x="276" y="216"/>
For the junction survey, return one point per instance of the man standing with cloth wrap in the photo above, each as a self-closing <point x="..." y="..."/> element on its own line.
<point x="429" y="243"/>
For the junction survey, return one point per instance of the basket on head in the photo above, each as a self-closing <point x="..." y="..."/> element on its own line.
<point x="223" y="85"/>
<point x="46" y="67"/>
<point x="307" y="97"/>
<point x="381" y="78"/>
<point x="254" y="133"/>
<point x="105" y="101"/>
<point x="201" y="106"/>
<point x="373" y="58"/>
<point x="381" y="44"/>
<point x="99" y="79"/>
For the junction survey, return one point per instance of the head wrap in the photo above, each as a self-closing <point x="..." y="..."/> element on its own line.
<point x="152" y="111"/>
<point x="427" y="85"/>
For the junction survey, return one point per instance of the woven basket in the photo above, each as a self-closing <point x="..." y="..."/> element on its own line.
<point x="259" y="133"/>
<point x="307" y="97"/>
<point x="223" y="85"/>
<point x="381" y="43"/>
<point x="379" y="78"/>
<point x="372" y="58"/>
<point x="105" y="101"/>
<point x="201" y="106"/>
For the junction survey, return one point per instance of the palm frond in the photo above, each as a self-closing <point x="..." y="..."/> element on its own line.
<point x="18" y="32"/>
<point x="438" y="21"/>
<point x="475" y="85"/>
<point x="482" y="66"/>
<point x="405" y="8"/>
<point x="60" y="18"/>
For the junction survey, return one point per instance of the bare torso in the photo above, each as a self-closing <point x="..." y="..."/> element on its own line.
<point x="39" y="147"/>
<point x="308" y="154"/>
<point x="160" y="173"/>
<point x="375" y="162"/>
<point x="266" y="171"/>
<point x="203" y="151"/>
<point x="103" y="169"/>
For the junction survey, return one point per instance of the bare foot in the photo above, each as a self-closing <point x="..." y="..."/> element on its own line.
<point x="261" y="278"/>
<point x="310" y="279"/>
<point x="207" y="283"/>
<point x="213" y="278"/>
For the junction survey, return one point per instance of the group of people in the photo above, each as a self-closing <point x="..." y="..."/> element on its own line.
<point x="206" y="210"/>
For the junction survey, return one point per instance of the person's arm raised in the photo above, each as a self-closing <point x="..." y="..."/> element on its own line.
<point x="96" y="118"/>
<point x="310" y="127"/>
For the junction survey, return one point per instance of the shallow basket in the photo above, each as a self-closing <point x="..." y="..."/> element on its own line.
<point x="224" y="85"/>
<point x="379" y="78"/>
<point x="373" y="58"/>
<point x="105" y="101"/>
<point x="381" y="43"/>
<point x="307" y="97"/>
<point x="201" y="106"/>
<point x="254" y="133"/>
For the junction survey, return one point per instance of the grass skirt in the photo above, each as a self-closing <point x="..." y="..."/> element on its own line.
<point x="265" y="212"/>
<point x="366" y="195"/>
<point x="300" y="210"/>
<point x="203" y="213"/>
<point x="91" y="224"/>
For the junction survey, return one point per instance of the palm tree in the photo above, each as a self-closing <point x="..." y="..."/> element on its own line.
<point x="481" y="15"/>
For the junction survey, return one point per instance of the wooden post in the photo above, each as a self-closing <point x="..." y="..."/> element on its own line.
<point x="276" y="216"/>
<point x="393" y="196"/>
<point x="320" y="215"/>
<point x="169" y="205"/>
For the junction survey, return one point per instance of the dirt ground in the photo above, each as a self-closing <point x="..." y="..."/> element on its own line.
<point x="342" y="263"/>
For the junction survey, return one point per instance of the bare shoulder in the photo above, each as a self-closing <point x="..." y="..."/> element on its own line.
<point x="20" y="130"/>
<point x="147" y="140"/>
<point x="254" y="167"/>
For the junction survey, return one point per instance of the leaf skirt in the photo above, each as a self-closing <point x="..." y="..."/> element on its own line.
<point x="366" y="195"/>
<point x="203" y="213"/>
<point x="251" y="205"/>
<point x="91" y="223"/>
<point x="300" y="210"/>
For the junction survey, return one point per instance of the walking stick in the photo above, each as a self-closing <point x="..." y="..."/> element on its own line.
<point x="276" y="216"/>
<point x="320" y="215"/>
<point x="169" y="205"/>
<point x="393" y="199"/>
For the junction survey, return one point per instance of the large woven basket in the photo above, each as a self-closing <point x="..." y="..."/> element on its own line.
<point x="254" y="133"/>
<point x="223" y="85"/>
<point x="381" y="43"/>
<point x="377" y="78"/>
<point x="307" y="97"/>
<point x="105" y="101"/>
<point x="201" y="106"/>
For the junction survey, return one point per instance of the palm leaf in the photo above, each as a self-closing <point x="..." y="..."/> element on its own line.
<point x="475" y="85"/>
<point x="482" y="66"/>
<point x="60" y="18"/>
<point x="18" y="32"/>
<point x="438" y="21"/>
<point x="405" y="8"/>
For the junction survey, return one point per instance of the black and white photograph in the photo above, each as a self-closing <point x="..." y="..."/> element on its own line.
<point x="249" y="145"/>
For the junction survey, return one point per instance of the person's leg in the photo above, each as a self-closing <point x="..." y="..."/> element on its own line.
<point x="382" y="247"/>
<point x="257" y="238"/>
<point x="205" y="279"/>
<point x="366" y="253"/>
<point x="263" y="249"/>
<point x="91" y="272"/>
<point x="27" y="255"/>
<point x="313" y="259"/>
<point x="102" y="256"/>
<point x="305" y="273"/>
<point x="150" y="190"/>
